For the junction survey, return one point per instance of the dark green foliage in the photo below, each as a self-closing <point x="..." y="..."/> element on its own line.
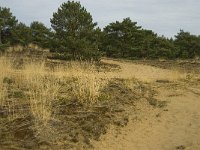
<point x="120" y="38"/>
<point x="8" y="80"/>
<point x="75" y="31"/>
<point x="7" y="22"/>
<point x="21" y="35"/>
<point x="161" y="47"/>
<point x="76" y="36"/>
<point x="3" y="47"/>
<point x="188" y="45"/>
<point x="127" y="40"/>
<point x="41" y="35"/>
<point x="61" y="56"/>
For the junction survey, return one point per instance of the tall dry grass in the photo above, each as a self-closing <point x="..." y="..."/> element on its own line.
<point x="87" y="81"/>
<point x="20" y="48"/>
<point x="43" y="83"/>
<point x="43" y="90"/>
<point x="5" y="72"/>
<point x="6" y="76"/>
<point x="88" y="84"/>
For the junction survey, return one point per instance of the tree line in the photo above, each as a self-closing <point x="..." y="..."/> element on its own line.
<point x="74" y="35"/>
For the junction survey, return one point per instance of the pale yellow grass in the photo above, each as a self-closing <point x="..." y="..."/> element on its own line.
<point x="144" y="73"/>
<point x="20" y="48"/>
<point x="5" y="71"/>
<point x="88" y="82"/>
<point x="43" y="83"/>
<point x="43" y="90"/>
<point x="6" y="75"/>
<point x="88" y="85"/>
<point x="16" y="48"/>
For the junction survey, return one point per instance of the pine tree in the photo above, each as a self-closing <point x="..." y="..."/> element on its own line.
<point x="122" y="38"/>
<point x="41" y="35"/>
<point x="7" y="22"/>
<point x="21" y="34"/>
<point x="75" y="31"/>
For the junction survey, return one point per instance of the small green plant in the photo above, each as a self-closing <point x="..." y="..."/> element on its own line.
<point x="8" y="80"/>
<point x="156" y="103"/>
<point x="16" y="94"/>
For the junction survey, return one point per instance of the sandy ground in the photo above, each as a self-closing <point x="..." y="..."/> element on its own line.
<point x="143" y="72"/>
<point x="176" y="127"/>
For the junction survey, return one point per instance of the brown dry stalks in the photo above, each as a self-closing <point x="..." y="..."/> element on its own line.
<point x="5" y="71"/>
<point x="88" y="83"/>
<point x="16" y="48"/>
<point x="87" y="87"/>
<point x="6" y="80"/>
<point x="43" y="90"/>
<point x="132" y="84"/>
<point x="43" y="83"/>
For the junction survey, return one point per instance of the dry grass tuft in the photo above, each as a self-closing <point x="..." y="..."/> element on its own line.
<point x="88" y="85"/>
<point x="46" y="85"/>
<point x="43" y="84"/>
<point x="43" y="90"/>
<point x="88" y="82"/>
<point x="5" y="71"/>
<point x="16" y="48"/>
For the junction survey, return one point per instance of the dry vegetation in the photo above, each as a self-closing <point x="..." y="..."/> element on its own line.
<point x="37" y="96"/>
<point x="58" y="104"/>
<point x="43" y="83"/>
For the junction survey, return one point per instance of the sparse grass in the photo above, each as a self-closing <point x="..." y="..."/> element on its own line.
<point x="5" y="70"/>
<point x="87" y="81"/>
<point x="74" y="98"/>
<point x="20" y="48"/>
<point x="16" y="48"/>
<point x="35" y="87"/>
<point x="88" y="84"/>
<point x="133" y="84"/>
<point x="43" y="83"/>
<point x="43" y="90"/>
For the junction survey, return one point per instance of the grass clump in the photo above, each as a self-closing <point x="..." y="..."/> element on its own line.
<point x="43" y="90"/>
<point x="5" y="72"/>
<point x="87" y="86"/>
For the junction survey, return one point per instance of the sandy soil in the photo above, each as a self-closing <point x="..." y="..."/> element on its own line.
<point x="177" y="126"/>
<point x="142" y="72"/>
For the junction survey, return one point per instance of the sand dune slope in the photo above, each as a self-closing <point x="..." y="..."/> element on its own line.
<point x="176" y="127"/>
